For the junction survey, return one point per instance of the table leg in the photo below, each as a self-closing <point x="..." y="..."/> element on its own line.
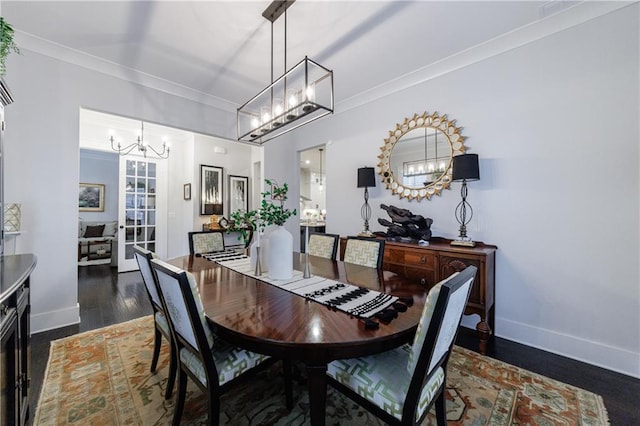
<point x="317" y="381"/>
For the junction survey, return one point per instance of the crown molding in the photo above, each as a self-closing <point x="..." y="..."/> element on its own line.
<point x="57" y="51"/>
<point x="562" y="20"/>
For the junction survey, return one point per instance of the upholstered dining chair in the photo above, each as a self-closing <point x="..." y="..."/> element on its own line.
<point x="143" y="257"/>
<point x="323" y="245"/>
<point x="400" y="386"/>
<point x="201" y="242"/>
<point x="209" y="361"/>
<point x="364" y="251"/>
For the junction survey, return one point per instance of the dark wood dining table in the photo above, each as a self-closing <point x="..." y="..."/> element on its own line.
<point x="260" y="317"/>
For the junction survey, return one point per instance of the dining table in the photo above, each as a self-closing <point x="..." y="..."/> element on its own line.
<point x="250" y="313"/>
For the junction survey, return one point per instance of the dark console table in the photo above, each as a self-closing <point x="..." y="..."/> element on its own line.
<point x="15" y="363"/>
<point x="430" y="264"/>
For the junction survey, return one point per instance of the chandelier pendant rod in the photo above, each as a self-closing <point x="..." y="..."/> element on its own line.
<point x="284" y="100"/>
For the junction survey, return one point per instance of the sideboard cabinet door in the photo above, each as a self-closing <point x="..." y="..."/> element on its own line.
<point x="9" y="399"/>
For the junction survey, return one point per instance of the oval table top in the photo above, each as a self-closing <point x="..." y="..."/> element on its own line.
<point x="266" y="319"/>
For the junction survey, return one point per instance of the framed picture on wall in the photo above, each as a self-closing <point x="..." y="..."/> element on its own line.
<point x="238" y="193"/>
<point x="186" y="191"/>
<point x="91" y="197"/>
<point x="211" y="201"/>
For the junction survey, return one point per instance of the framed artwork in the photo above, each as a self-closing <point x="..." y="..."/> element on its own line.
<point x="238" y="193"/>
<point x="91" y="197"/>
<point x="210" y="190"/>
<point x="186" y="191"/>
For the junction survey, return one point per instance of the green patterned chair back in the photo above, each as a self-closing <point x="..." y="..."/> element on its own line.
<point x="401" y="396"/>
<point x="447" y="328"/>
<point x="323" y="245"/>
<point x="205" y="242"/>
<point x="210" y="364"/>
<point x="143" y="257"/>
<point x="364" y="251"/>
<point x="182" y="299"/>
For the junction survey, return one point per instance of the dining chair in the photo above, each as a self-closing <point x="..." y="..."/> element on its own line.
<point x="143" y="257"/>
<point x="323" y="245"/>
<point x="364" y="251"/>
<point x="201" y="242"/>
<point x="401" y="385"/>
<point x="209" y="361"/>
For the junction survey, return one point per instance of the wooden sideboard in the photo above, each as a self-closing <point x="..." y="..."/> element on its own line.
<point x="15" y="348"/>
<point x="435" y="262"/>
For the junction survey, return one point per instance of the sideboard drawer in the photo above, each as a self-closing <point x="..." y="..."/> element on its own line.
<point x="393" y="256"/>
<point x="420" y="259"/>
<point x="426" y="277"/>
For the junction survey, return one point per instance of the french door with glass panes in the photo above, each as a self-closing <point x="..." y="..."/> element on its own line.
<point x="141" y="209"/>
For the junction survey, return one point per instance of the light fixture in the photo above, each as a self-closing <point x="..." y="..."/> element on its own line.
<point x="320" y="188"/>
<point x="431" y="168"/>
<point x="366" y="179"/>
<point x="140" y="144"/>
<point x="465" y="168"/>
<point x="301" y="95"/>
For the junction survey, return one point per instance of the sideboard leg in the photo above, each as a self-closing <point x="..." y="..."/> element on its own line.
<point x="484" y="332"/>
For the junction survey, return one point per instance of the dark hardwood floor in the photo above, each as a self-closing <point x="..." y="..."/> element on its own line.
<point x="106" y="298"/>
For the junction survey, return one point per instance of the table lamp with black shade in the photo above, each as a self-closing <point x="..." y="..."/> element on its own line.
<point x="366" y="179"/>
<point x="465" y="169"/>
<point x="215" y="210"/>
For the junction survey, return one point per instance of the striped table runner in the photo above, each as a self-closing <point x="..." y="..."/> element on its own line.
<point x="354" y="300"/>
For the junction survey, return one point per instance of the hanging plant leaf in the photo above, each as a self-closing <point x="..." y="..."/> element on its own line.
<point x="7" y="45"/>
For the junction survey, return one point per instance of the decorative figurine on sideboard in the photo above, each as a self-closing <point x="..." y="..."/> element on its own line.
<point x="405" y="226"/>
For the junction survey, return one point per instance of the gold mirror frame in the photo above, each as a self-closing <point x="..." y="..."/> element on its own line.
<point x="437" y="122"/>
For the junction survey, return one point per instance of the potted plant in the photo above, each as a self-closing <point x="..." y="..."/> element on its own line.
<point x="7" y="45"/>
<point x="244" y="223"/>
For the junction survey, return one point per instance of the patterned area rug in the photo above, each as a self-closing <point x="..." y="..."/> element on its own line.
<point x="102" y="377"/>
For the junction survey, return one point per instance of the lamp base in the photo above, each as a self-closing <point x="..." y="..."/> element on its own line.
<point x="463" y="243"/>
<point x="366" y="234"/>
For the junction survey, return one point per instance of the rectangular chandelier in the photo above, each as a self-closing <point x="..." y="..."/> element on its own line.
<point x="303" y="94"/>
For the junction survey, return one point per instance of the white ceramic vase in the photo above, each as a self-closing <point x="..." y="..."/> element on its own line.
<point x="280" y="256"/>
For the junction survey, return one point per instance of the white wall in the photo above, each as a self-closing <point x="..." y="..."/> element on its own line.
<point x="233" y="157"/>
<point x="555" y="123"/>
<point x="42" y="162"/>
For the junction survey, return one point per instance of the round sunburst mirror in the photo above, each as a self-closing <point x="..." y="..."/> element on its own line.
<point x="416" y="158"/>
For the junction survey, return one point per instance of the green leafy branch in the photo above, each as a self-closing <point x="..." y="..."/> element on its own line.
<point x="271" y="212"/>
<point x="7" y="45"/>
<point x="274" y="213"/>
<point x="243" y="222"/>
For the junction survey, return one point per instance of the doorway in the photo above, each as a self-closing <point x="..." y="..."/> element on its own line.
<point x="135" y="187"/>
<point x="313" y="210"/>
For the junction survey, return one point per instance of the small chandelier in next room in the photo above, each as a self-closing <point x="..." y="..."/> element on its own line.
<point x="303" y="94"/>
<point x="143" y="147"/>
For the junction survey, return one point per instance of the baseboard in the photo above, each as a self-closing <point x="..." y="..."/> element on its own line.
<point x="612" y="358"/>
<point x="55" y="319"/>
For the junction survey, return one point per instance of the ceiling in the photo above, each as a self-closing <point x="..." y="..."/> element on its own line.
<point x="222" y="48"/>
